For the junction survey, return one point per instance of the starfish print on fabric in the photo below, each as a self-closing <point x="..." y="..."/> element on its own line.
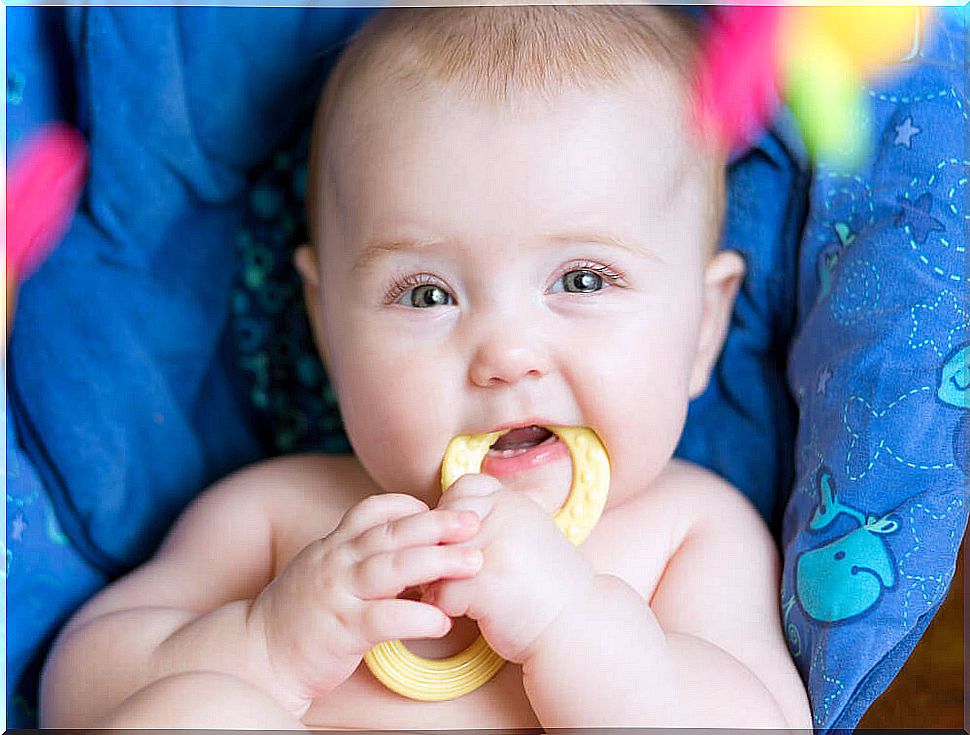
<point x="905" y="132"/>
<point x="916" y="216"/>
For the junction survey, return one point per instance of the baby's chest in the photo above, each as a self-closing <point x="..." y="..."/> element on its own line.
<point x="362" y="702"/>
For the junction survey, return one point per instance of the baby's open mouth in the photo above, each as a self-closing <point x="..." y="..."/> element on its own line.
<point x="519" y="441"/>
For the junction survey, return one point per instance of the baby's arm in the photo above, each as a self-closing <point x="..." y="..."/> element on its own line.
<point x="211" y="616"/>
<point x="707" y="651"/>
<point x="183" y="612"/>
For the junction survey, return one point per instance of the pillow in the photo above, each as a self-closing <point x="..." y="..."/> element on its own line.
<point x="123" y="394"/>
<point x="879" y="368"/>
<point x="144" y="364"/>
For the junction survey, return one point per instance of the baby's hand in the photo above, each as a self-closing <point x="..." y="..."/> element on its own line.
<point x="531" y="571"/>
<point x="337" y="598"/>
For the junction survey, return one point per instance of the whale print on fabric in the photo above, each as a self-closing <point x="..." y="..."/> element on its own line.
<point x="954" y="387"/>
<point x="845" y="577"/>
<point x="954" y="390"/>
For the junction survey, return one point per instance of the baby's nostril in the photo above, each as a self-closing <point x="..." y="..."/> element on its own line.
<point x="840" y="555"/>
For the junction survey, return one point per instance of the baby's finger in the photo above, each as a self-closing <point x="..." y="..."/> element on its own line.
<point x="473" y="485"/>
<point x="387" y="620"/>
<point x="375" y="510"/>
<point x="480" y="505"/>
<point x="389" y="573"/>
<point x="452" y="597"/>
<point x="419" y="529"/>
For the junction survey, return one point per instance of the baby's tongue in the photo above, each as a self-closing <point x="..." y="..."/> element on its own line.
<point x="528" y="436"/>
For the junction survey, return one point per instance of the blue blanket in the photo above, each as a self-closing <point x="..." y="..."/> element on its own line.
<point x="162" y="345"/>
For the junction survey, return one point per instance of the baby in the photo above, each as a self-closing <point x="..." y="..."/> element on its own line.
<point x="513" y="227"/>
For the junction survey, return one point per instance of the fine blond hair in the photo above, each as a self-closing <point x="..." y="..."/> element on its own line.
<point x="491" y="54"/>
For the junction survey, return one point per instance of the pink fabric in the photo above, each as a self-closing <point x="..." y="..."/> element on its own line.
<point x="43" y="186"/>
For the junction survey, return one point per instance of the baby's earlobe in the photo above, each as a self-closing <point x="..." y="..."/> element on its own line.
<point x="726" y="266"/>
<point x="307" y="264"/>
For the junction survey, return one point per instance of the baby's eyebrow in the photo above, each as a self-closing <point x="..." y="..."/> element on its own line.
<point x="377" y="249"/>
<point x="605" y="238"/>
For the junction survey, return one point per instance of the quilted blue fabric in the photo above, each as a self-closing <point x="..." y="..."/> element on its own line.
<point x="124" y="392"/>
<point x="164" y="344"/>
<point x="879" y="367"/>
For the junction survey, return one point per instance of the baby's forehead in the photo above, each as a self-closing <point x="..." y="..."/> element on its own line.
<point x="506" y="56"/>
<point x="390" y="124"/>
<point x="398" y="69"/>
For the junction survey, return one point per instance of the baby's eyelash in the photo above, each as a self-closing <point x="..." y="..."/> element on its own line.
<point x="608" y="270"/>
<point x="402" y="283"/>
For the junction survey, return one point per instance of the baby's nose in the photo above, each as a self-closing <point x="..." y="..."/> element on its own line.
<point x="508" y="355"/>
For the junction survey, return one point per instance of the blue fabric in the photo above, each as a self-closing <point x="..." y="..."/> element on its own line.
<point x="767" y="202"/>
<point x="879" y="367"/>
<point x="123" y="381"/>
<point x="163" y="344"/>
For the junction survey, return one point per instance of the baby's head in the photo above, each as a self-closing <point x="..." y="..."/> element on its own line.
<point x="513" y="222"/>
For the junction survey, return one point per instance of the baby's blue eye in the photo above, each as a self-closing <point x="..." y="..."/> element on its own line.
<point x="584" y="281"/>
<point x="429" y="295"/>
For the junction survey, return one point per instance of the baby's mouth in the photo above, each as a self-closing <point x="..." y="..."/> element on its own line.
<point x="519" y="441"/>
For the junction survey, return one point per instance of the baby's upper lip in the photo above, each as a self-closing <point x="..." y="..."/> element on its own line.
<point x="523" y="423"/>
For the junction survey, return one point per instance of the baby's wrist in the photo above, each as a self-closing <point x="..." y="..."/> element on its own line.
<point x="571" y="611"/>
<point x="271" y="675"/>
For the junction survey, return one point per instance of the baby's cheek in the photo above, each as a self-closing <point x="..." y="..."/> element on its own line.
<point x="397" y="436"/>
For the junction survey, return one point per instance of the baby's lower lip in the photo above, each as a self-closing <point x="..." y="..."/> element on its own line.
<point x="499" y="467"/>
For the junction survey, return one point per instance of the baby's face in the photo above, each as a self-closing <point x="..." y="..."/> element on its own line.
<point x="482" y="268"/>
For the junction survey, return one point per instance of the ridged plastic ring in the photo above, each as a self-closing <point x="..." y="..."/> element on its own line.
<point x="436" y="680"/>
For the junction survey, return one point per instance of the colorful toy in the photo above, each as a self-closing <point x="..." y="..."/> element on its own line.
<point x="814" y="57"/>
<point x="43" y="186"/>
<point x="438" y="680"/>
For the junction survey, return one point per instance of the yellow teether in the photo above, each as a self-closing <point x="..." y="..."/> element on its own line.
<point x="433" y="680"/>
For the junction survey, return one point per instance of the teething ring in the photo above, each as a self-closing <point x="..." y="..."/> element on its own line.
<point x="437" y="680"/>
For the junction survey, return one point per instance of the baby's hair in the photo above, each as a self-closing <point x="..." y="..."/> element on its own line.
<point x="491" y="54"/>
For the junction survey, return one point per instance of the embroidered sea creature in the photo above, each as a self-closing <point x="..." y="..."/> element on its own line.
<point x="844" y="577"/>
<point x="954" y="387"/>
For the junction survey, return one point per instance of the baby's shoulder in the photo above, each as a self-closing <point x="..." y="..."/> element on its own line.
<point x="303" y="496"/>
<point x="685" y="495"/>
<point x="295" y="485"/>
<point x="686" y="501"/>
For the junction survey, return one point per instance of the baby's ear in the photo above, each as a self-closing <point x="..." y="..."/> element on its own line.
<point x="307" y="264"/>
<point x="722" y="278"/>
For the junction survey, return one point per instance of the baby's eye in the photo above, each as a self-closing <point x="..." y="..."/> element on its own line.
<point x="582" y="281"/>
<point x="418" y="292"/>
<point x="429" y="295"/>
<point x="589" y="278"/>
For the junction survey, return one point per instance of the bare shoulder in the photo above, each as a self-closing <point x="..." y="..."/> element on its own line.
<point x="681" y="501"/>
<point x="721" y="580"/>
<point x="297" y="484"/>
<point x="227" y="544"/>
<point x="708" y="523"/>
<point x="305" y="496"/>
<point x="695" y="493"/>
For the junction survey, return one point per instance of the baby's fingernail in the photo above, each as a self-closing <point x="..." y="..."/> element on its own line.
<point x="468" y="520"/>
<point x="472" y="558"/>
